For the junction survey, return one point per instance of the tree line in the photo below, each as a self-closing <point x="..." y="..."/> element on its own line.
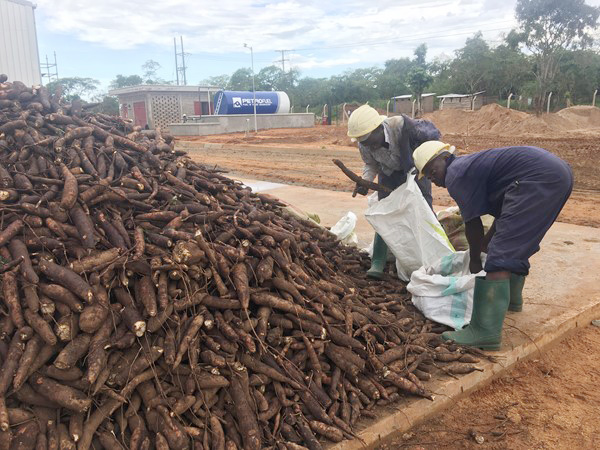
<point x="551" y="50"/>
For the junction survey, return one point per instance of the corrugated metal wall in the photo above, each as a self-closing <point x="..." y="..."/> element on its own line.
<point x="19" y="57"/>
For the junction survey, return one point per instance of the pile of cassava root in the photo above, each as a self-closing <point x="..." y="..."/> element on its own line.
<point x="151" y="302"/>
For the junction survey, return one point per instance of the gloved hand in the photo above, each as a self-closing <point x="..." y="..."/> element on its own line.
<point x="360" y="190"/>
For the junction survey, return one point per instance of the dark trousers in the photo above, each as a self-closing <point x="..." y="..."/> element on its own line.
<point x="529" y="209"/>
<point x="398" y="178"/>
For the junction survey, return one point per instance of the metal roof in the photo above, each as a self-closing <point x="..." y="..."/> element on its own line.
<point x="161" y="88"/>
<point x="460" y="95"/>
<point x="405" y="96"/>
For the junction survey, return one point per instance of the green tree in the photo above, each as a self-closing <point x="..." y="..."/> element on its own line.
<point x="392" y="81"/>
<point x="106" y="104"/>
<point x="269" y="78"/>
<point x="550" y="27"/>
<point x="509" y="70"/>
<point x="441" y="72"/>
<point x="150" y="68"/>
<point x="420" y="55"/>
<point x="218" y="81"/>
<point x="71" y="88"/>
<point x="418" y="80"/>
<point x="578" y="76"/>
<point x="310" y="91"/>
<point x="121" y="81"/>
<point x="470" y="70"/>
<point x="241" y="80"/>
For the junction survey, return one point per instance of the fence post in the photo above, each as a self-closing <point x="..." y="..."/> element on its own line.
<point x="548" y="105"/>
<point x="594" y="98"/>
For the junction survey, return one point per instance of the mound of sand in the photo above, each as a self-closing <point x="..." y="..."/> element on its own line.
<point x="497" y="120"/>
<point x="581" y="117"/>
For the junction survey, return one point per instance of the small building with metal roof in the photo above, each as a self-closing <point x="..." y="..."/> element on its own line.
<point x="468" y="102"/>
<point x="403" y="104"/>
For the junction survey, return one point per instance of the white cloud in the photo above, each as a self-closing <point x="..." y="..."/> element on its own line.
<point x="323" y="34"/>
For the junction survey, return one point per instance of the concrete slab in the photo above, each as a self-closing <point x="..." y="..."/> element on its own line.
<point x="263" y="186"/>
<point x="561" y="294"/>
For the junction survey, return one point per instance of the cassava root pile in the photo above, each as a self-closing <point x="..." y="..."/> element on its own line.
<point x="150" y="302"/>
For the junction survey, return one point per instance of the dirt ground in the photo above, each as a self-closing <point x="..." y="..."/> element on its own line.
<point x="303" y="156"/>
<point x="550" y="402"/>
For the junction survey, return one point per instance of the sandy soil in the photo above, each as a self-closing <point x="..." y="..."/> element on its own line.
<point x="551" y="402"/>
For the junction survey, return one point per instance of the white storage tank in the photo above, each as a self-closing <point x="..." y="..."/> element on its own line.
<point x="19" y="58"/>
<point x="242" y="102"/>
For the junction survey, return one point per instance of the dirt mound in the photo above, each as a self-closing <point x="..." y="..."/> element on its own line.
<point x="496" y="119"/>
<point x="580" y="117"/>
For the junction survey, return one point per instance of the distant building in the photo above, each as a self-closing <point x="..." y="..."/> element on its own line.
<point x="19" y="58"/>
<point x="403" y="104"/>
<point x="466" y="102"/>
<point x="158" y="105"/>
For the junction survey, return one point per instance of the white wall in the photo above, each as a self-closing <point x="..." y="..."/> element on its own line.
<point x="235" y="123"/>
<point x="19" y="57"/>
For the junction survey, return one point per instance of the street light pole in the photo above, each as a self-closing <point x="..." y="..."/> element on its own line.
<point x="253" y="88"/>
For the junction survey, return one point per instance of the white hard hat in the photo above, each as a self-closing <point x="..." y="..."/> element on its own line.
<point x="427" y="151"/>
<point x="363" y="121"/>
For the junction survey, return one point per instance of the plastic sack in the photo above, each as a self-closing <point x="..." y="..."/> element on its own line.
<point x="410" y="228"/>
<point x="443" y="291"/>
<point x="344" y="229"/>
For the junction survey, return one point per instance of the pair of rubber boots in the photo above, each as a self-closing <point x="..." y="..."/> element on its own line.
<point x="491" y="300"/>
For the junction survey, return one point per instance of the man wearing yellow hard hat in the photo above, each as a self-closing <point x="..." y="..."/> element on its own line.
<point x="524" y="188"/>
<point x="386" y="145"/>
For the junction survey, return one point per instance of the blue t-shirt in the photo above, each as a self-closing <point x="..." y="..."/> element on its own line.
<point x="477" y="182"/>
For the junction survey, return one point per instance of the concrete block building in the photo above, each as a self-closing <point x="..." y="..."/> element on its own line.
<point x="159" y="105"/>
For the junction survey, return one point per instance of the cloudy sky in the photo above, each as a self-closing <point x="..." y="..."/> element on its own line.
<point x="100" y="39"/>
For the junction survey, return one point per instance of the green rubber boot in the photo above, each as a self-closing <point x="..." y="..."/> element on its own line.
<point x="380" y="251"/>
<point x="490" y="303"/>
<point x="516" y="292"/>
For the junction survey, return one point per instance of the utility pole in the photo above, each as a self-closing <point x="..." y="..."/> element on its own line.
<point x="283" y="59"/>
<point x="180" y="69"/>
<point x="176" y="61"/>
<point x="253" y="87"/>
<point x="183" y="62"/>
<point x="47" y="72"/>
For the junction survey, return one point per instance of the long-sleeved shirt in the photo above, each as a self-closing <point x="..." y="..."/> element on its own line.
<point x="402" y="136"/>
<point x="524" y="188"/>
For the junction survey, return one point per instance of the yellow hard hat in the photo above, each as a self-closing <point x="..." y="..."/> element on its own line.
<point x="363" y="121"/>
<point x="427" y="151"/>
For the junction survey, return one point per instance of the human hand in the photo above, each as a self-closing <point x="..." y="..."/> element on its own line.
<point x="475" y="265"/>
<point x="362" y="190"/>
